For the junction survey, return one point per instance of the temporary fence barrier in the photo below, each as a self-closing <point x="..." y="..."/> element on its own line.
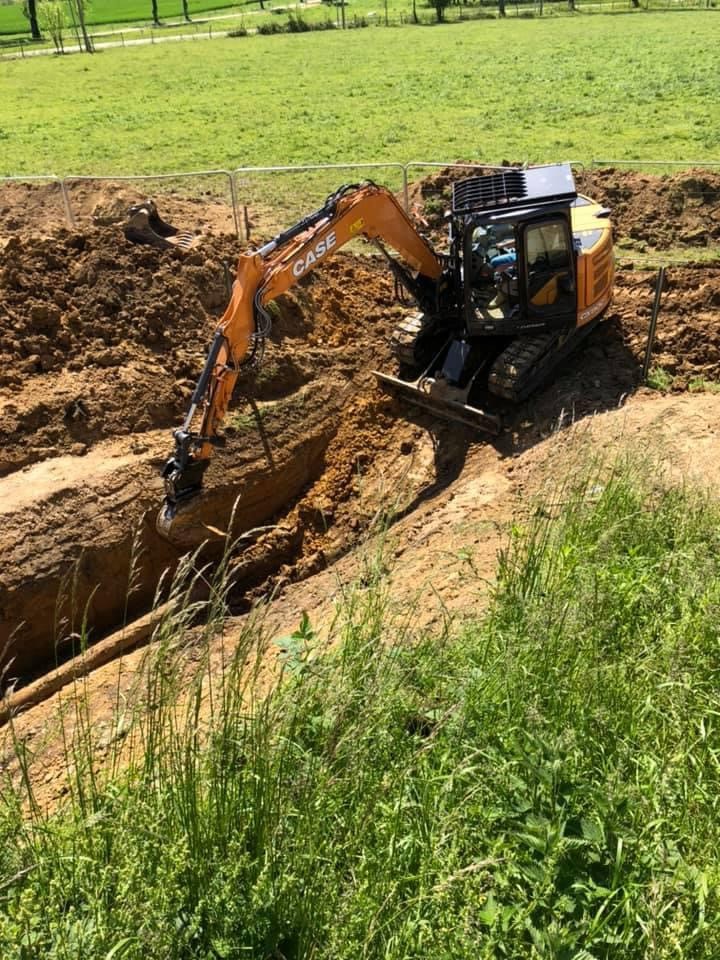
<point x="682" y="164"/>
<point x="261" y="184"/>
<point x="69" y="181"/>
<point x="47" y="178"/>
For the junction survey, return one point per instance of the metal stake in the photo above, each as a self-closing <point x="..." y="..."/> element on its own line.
<point x="653" y="322"/>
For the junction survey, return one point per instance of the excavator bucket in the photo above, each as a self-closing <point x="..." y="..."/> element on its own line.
<point x="442" y="400"/>
<point x="145" y="225"/>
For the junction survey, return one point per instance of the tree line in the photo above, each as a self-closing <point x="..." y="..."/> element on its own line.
<point x="54" y="17"/>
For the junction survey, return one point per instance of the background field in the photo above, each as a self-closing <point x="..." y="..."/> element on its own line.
<point x="116" y="11"/>
<point x="102" y="12"/>
<point x="631" y="87"/>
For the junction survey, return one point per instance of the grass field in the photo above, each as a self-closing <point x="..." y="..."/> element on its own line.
<point x="633" y="87"/>
<point x="541" y="783"/>
<point x="117" y="11"/>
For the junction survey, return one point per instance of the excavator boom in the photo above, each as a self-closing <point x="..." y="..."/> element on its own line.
<point x="362" y="210"/>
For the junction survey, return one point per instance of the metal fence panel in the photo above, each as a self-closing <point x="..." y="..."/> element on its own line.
<point x="273" y="198"/>
<point x="654" y="165"/>
<point x="84" y="204"/>
<point x="63" y="202"/>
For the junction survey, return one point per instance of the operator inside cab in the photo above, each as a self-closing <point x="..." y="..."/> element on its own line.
<point x="495" y="245"/>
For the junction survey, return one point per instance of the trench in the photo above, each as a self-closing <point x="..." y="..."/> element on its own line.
<point x="83" y="556"/>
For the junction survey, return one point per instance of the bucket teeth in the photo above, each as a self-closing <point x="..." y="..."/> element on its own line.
<point x="444" y="406"/>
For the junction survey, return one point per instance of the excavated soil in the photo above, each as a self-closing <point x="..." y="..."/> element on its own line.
<point x="100" y="345"/>
<point x="649" y="213"/>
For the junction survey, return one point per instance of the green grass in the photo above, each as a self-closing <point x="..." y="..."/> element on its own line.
<point x="642" y="86"/>
<point x="659" y="379"/>
<point x="118" y="11"/>
<point x="541" y="783"/>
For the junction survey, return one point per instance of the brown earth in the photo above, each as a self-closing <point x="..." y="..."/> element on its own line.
<point x="679" y="210"/>
<point x="38" y="208"/>
<point x="100" y="345"/>
<point x="649" y="212"/>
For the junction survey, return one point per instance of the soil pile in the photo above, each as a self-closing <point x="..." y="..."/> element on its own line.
<point x="687" y="343"/>
<point x="659" y="212"/>
<point x="39" y="208"/>
<point x="100" y="338"/>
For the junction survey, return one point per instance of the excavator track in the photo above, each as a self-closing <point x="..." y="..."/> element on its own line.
<point x="406" y="340"/>
<point x="529" y="362"/>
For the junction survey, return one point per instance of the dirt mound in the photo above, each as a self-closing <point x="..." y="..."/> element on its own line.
<point x="39" y="208"/>
<point x="100" y="338"/>
<point x="80" y="300"/>
<point x="687" y="343"/>
<point x="659" y="212"/>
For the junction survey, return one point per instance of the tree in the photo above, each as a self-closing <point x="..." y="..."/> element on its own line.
<point x="440" y="9"/>
<point x="77" y="12"/>
<point x="30" y="11"/>
<point x="51" y="14"/>
<point x="501" y="7"/>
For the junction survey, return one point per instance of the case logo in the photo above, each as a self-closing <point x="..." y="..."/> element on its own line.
<point x="303" y="264"/>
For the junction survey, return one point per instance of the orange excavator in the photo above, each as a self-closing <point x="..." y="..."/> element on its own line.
<point x="528" y="273"/>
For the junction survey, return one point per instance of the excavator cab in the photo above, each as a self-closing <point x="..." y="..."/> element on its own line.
<point x="522" y="263"/>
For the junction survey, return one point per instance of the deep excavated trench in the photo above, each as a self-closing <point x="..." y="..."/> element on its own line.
<point x="100" y="344"/>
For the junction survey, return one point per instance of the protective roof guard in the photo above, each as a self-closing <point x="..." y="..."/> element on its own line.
<point x="514" y="188"/>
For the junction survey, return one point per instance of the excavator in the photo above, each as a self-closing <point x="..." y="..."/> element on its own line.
<point x="528" y="273"/>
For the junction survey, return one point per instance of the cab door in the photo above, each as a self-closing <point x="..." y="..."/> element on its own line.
<point x="549" y="272"/>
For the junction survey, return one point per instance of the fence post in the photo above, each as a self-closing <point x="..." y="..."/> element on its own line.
<point x="66" y="203"/>
<point x="233" y="200"/>
<point x="653" y="322"/>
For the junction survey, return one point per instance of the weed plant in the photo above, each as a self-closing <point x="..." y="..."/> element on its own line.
<point x="542" y="782"/>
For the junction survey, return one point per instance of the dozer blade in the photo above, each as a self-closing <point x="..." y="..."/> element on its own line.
<point x="443" y="406"/>
<point x="145" y="225"/>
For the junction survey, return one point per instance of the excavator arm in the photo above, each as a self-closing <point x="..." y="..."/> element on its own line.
<point x="361" y="210"/>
